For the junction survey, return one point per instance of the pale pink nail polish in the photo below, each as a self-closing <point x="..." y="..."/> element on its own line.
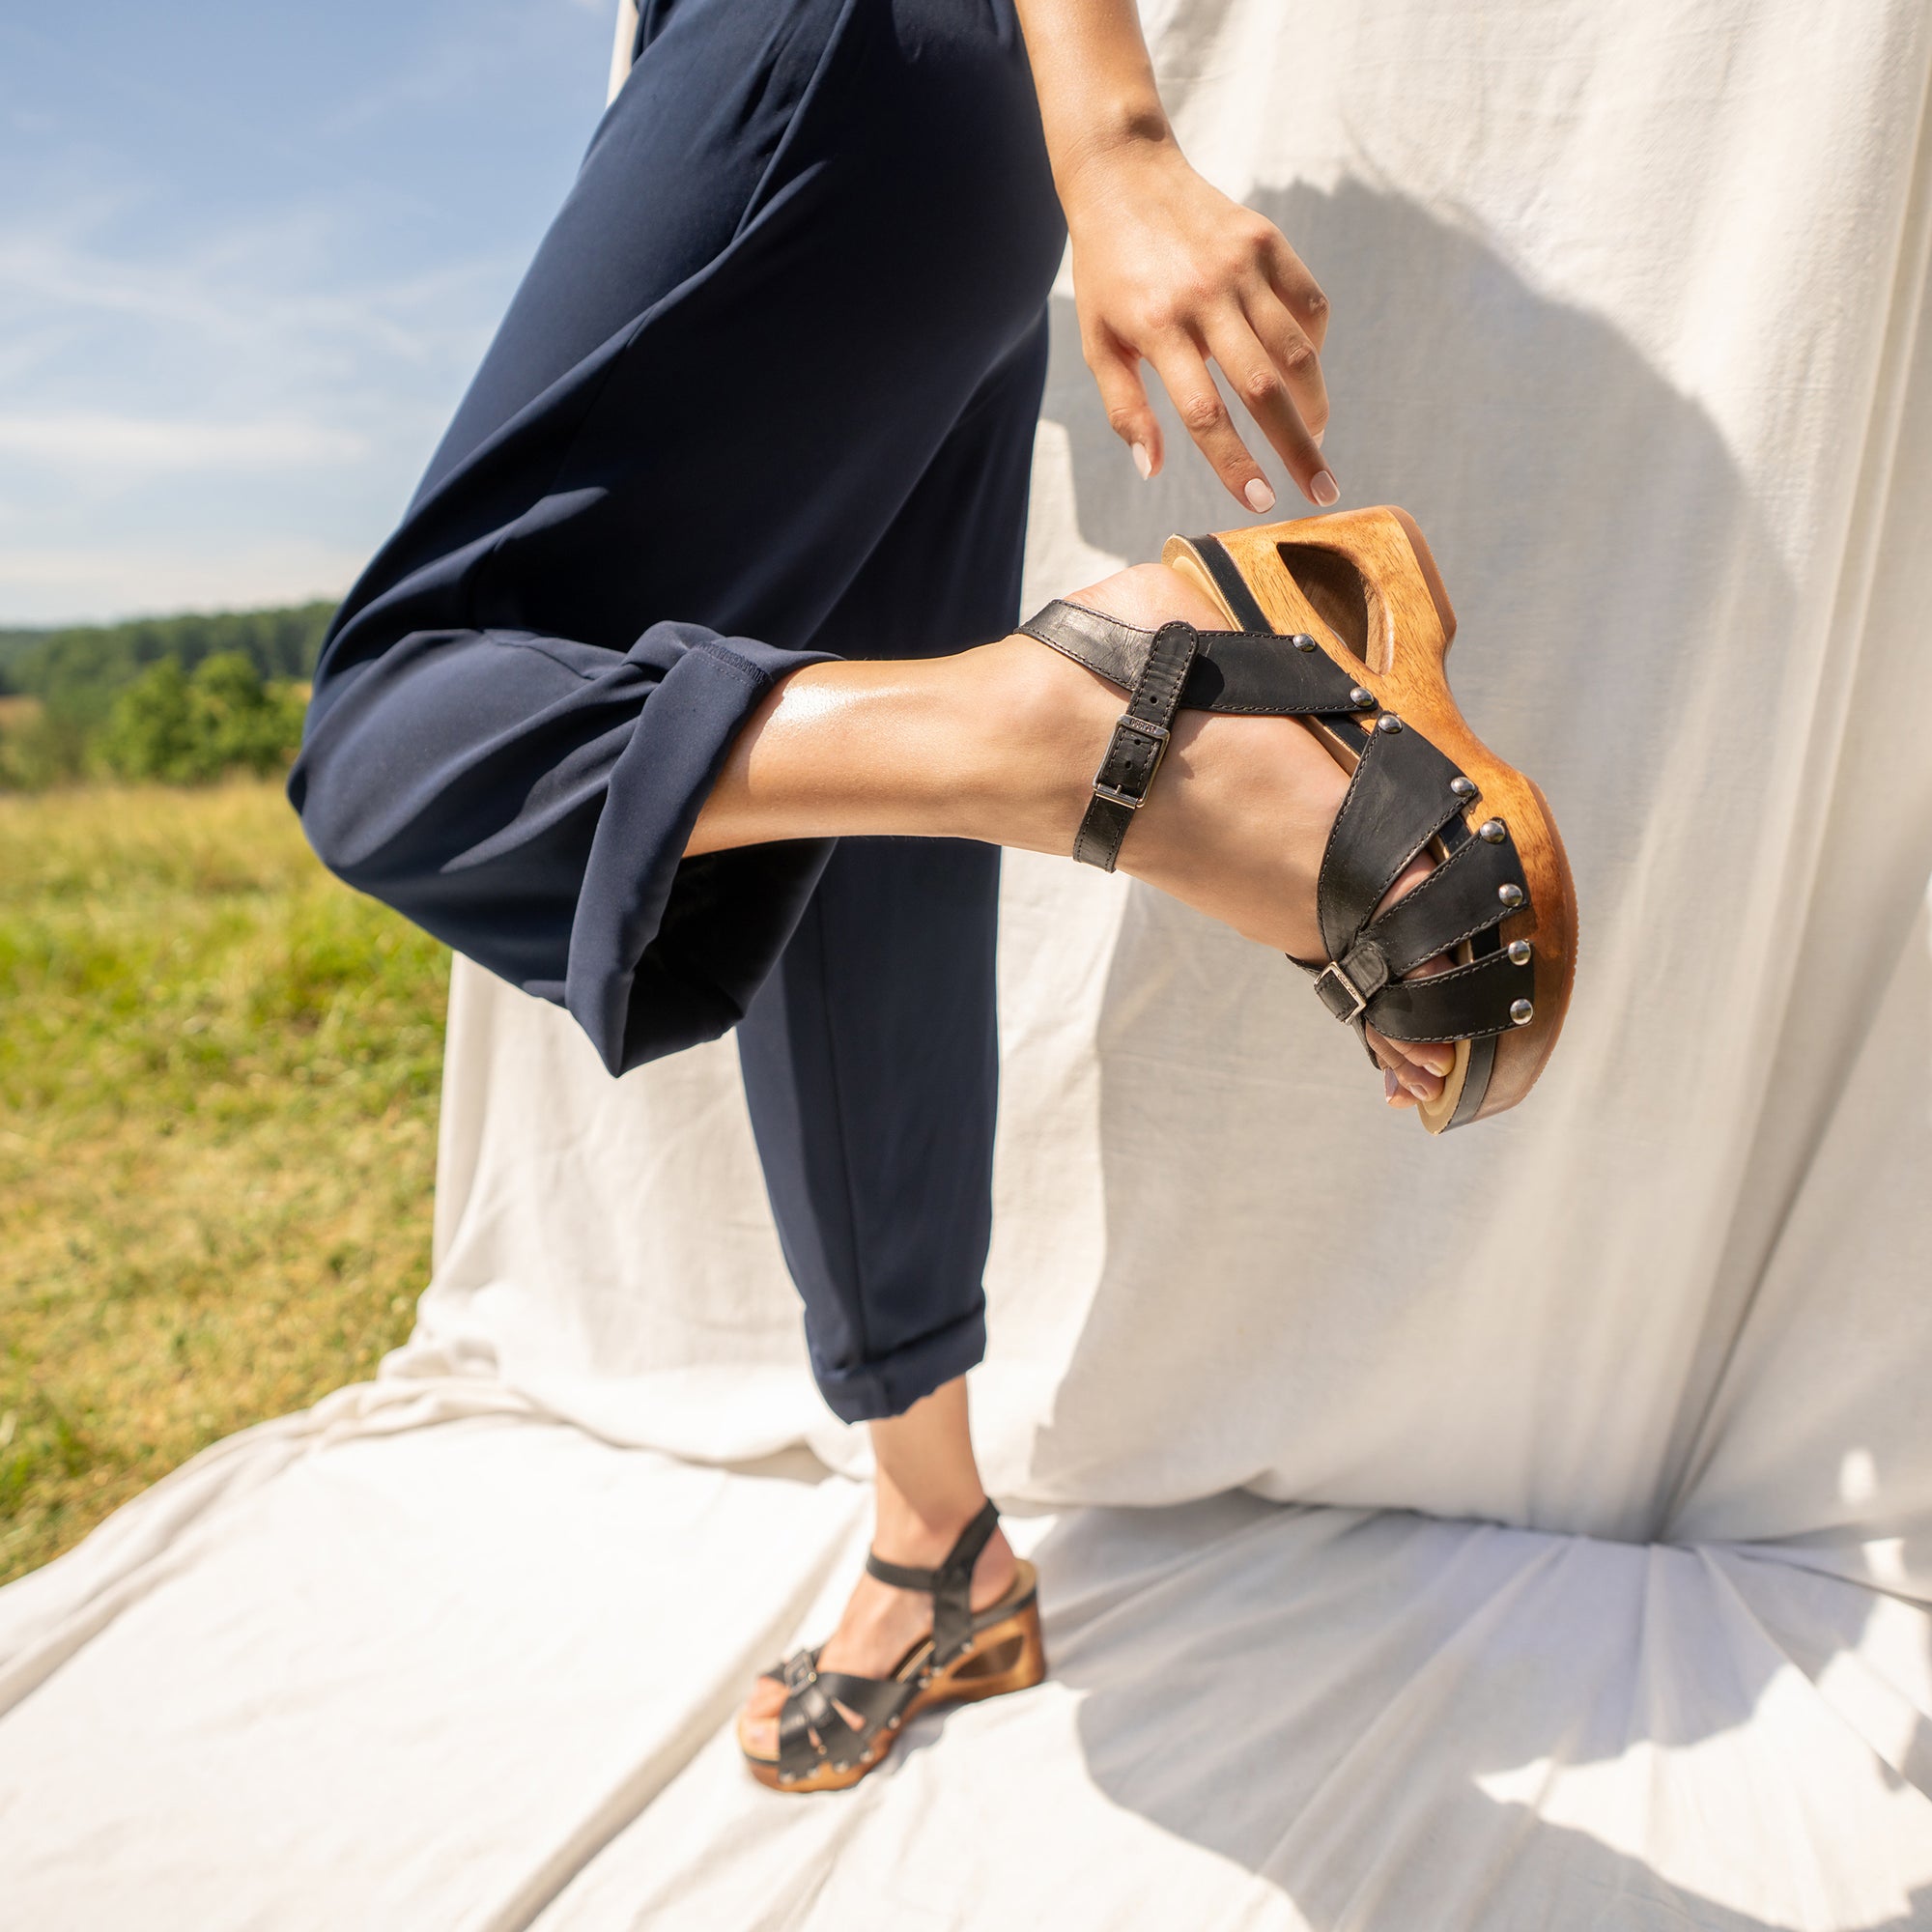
<point x="1143" y="462"/>
<point x="1324" y="489"/>
<point x="1261" y="499"/>
<point x="1388" y="1085"/>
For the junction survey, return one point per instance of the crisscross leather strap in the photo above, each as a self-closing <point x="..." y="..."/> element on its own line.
<point x="1398" y="801"/>
<point x="813" y="1728"/>
<point x="813" y="1709"/>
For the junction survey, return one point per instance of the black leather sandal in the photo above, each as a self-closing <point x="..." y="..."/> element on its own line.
<point x="1342" y="622"/>
<point x="835" y="1727"/>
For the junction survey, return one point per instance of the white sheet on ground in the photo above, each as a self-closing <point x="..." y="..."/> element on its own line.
<point x="1605" y="1597"/>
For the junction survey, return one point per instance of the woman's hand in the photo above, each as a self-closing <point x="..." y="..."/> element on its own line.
<point x="1167" y="270"/>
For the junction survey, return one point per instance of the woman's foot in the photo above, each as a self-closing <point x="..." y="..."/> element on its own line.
<point x="880" y="1624"/>
<point x="1238" y="818"/>
<point x="927" y="1491"/>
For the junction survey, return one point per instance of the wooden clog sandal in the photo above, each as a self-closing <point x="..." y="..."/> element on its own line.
<point x="835" y="1727"/>
<point x="1342" y="622"/>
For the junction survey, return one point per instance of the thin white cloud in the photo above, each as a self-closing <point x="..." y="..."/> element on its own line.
<point x="100" y="445"/>
<point x="227" y="291"/>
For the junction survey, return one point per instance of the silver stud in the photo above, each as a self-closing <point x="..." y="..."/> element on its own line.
<point x="1518" y="953"/>
<point x="1521" y="1011"/>
<point x="1361" y="699"/>
<point x="1388" y="722"/>
<point x="1302" y="642"/>
<point x="1492" y="831"/>
<point x="1463" y="788"/>
<point x="1511" y="894"/>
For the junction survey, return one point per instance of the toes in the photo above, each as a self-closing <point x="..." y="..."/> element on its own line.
<point x="758" y="1721"/>
<point x="1402" y="1063"/>
<point x="1394" y="1092"/>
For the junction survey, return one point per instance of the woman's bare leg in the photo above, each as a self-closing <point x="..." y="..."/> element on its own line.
<point x="1000" y="744"/>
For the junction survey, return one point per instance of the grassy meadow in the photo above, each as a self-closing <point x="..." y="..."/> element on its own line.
<point x="219" y="1076"/>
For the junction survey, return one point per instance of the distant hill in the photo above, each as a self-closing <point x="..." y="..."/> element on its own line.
<point x="12" y="644"/>
<point x="78" y="669"/>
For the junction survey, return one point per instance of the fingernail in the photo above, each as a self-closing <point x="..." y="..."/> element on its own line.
<point x="1143" y="462"/>
<point x="1259" y="497"/>
<point x="1324" y="489"/>
<point x="1388" y="1085"/>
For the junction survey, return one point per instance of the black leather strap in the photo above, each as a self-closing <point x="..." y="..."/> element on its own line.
<point x="1465" y="1002"/>
<point x="1139" y="743"/>
<point x="1463" y="896"/>
<point x="1117" y="651"/>
<point x="1250" y="672"/>
<point x="1242" y="604"/>
<point x="950" y="1586"/>
<point x="1397" y="801"/>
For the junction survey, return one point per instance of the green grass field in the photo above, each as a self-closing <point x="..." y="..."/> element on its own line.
<point x="219" y="1076"/>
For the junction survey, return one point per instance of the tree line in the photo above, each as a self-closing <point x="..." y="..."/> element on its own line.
<point x="178" y="699"/>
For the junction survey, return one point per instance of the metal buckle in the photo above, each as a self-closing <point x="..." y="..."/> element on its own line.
<point x="1358" y="1005"/>
<point x="1156" y="735"/>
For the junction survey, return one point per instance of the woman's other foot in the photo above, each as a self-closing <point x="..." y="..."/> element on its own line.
<point x="880" y="1624"/>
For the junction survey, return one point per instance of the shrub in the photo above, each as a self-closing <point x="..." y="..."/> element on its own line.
<point x="188" y="729"/>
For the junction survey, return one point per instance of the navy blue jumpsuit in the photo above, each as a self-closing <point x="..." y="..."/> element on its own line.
<point x="765" y="396"/>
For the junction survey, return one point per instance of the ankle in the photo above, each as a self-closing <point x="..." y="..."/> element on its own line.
<point x="1036" y="724"/>
<point x="920" y="1534"/>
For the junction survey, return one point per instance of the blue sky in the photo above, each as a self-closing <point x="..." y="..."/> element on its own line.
<point x="249" y="254"/>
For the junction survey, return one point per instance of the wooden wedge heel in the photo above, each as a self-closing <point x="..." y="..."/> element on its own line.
<point x="1342" y="622"/>
<point x="835" y="1727"/>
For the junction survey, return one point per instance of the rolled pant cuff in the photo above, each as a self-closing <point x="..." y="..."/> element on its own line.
<point x="872" y="1391"/>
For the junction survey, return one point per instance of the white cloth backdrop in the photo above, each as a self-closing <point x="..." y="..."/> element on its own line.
<point x="1530" y="1528"/>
